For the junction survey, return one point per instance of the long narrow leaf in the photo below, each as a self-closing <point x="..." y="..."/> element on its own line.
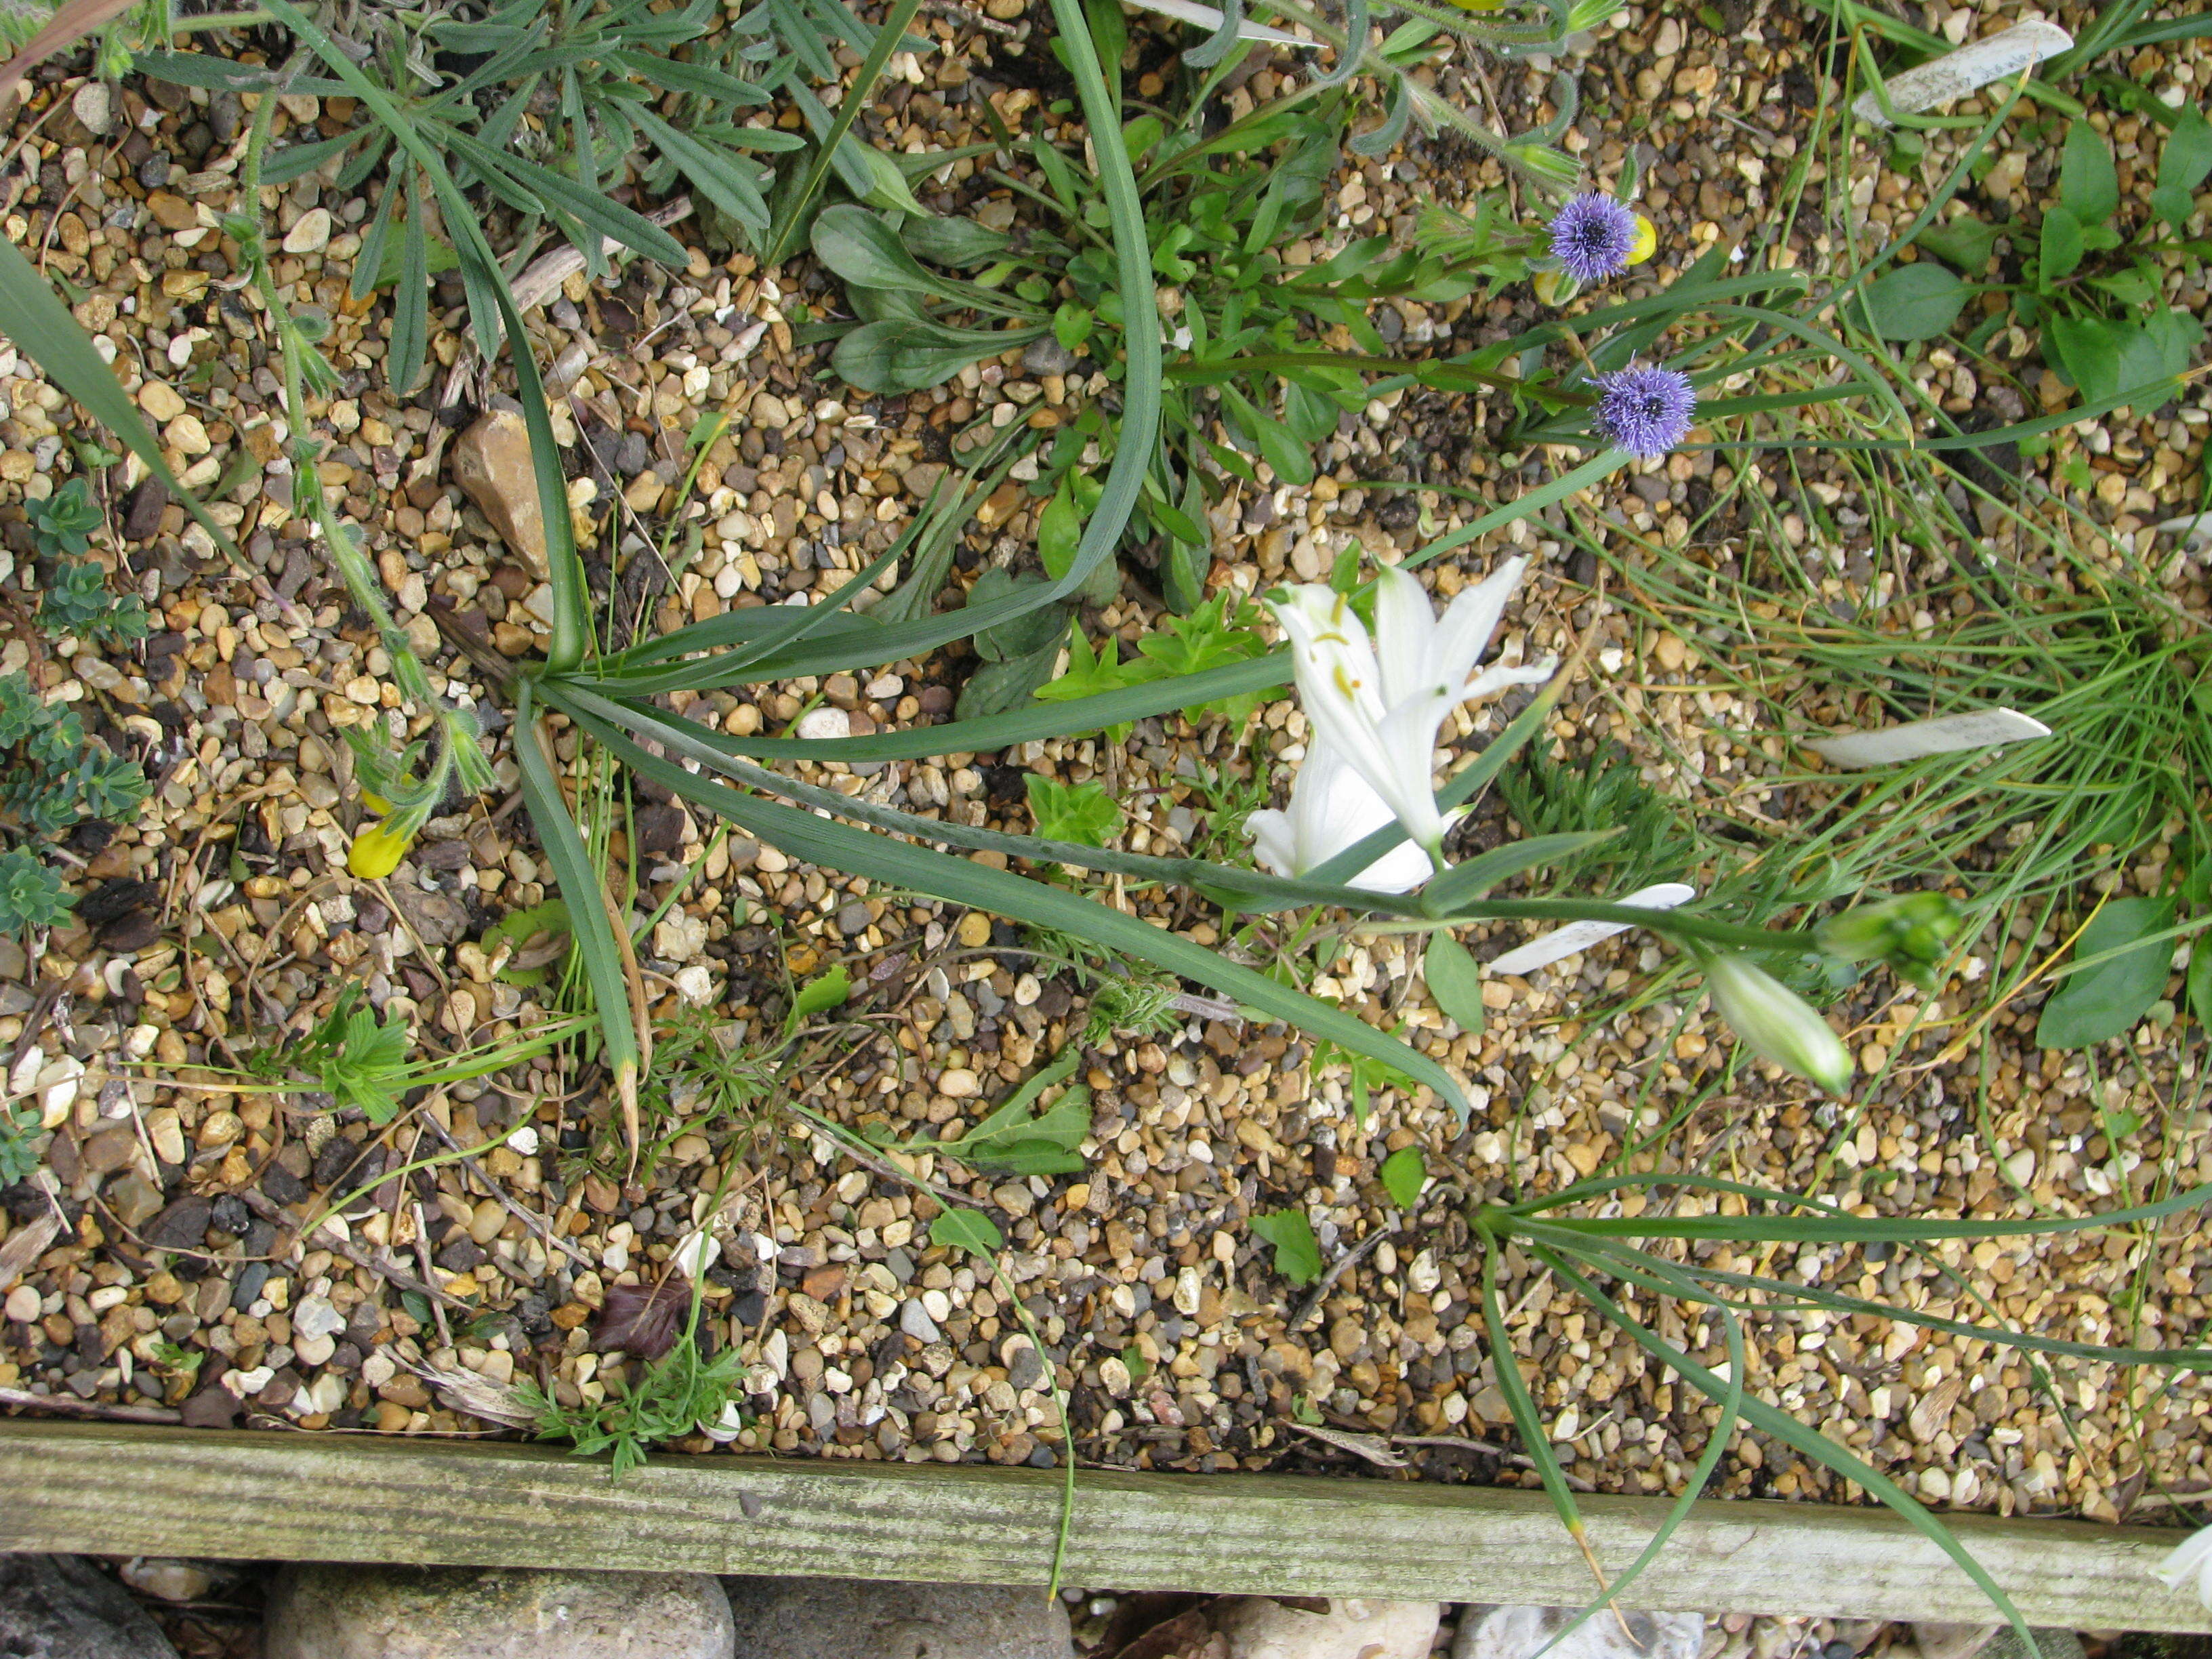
<point x="34" y="316"/>
<point x="1787" y="1429"/>
<point x="957" y="881"/>
<point x="585" y="891"/>
<point x="1833" y="1225"/>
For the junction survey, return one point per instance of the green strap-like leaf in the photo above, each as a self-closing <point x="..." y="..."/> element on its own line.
<point x="1769" y="1419"/>
<point x="591" y="929"/>
<point x="857" y="851"/>
<point x="34" y="316"/>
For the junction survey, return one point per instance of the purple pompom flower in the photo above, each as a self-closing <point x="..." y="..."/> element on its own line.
<point x="1592" y="237"/>
<point x="1645" y="412"/>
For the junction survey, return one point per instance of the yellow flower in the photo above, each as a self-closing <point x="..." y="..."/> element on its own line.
<point x="1646" y="242"/>
<point x="1551" y="286"/>
<point x="375" y="803"/>
<point x="377" y="850"/>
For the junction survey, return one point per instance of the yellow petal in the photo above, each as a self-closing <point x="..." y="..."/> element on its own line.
<point x="1646" y="243"/>
<point x="1547" y="285"/>
<point x="376" y="851"/>
<point x="375" y="803"/>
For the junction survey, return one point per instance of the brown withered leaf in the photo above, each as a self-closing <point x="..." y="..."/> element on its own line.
<point x="644" y="1320"/>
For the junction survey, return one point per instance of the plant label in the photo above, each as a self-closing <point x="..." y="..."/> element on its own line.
<point x="1581" y="935"/>
<point x="1955" y="73"/>
<point x="1893" y="744"/>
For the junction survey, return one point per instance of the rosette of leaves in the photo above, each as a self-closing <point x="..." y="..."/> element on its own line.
<point x="55" y="773"/>
<point x="76" y="599"/>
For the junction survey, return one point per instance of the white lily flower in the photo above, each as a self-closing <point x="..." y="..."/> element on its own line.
<point x="1331" y="807"/>
<point x="2189" y="1567"/>
<point x="1379" y="703"/>
<point x="1776" y="1023"/>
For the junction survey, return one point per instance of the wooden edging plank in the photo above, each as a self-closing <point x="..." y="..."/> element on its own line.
<point x="125" y="1490"/>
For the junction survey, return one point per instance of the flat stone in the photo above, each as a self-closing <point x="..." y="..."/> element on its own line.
<point x="61" y="1607"/>
<point x="491" y="463"/>
<point x="1509" y="1632"/>
<point x="494" y="1612"/>
<point x="848" y="1618"/>
<point x="1256" y="1627"/>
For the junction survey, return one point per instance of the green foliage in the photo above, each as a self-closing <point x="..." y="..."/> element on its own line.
<point x="819" y="995"/>
<point x="78" y="602"/>
<point x="30" y="894"/>
<point x="676" y="1394"/>
<point x="58" y="775"/>
<point x="75" y="598"/>
<point x="2122" y="967"/>
<point x="1404" y="1173"/>
<point x="19" y="1125"/>
<point x="1604" y="792"/>
<point x="1082" y="812"/>
<point x="2094" y="289"/>
<point x="1019" y="1138"/>
<point x="1577" y="1234"/>
<point x="1298" y="1255"/>
<point x="546" y="106"/>
<point x="361" y="1059"/>
<point x="63" y="522"/>
<point x="1223" y="631"/>
<point x="1219" y="207"/>
<point x="970" y="1230"/>
<point x="1455" y="980"/>
<point x="1134" y="1002"/>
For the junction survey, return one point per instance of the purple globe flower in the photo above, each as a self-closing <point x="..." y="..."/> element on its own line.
<point x="1592" y="237"/>
<point x="1645" y="412"/>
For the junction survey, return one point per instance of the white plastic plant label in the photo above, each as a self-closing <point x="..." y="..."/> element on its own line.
<point x="1581" y="935"/>
<point x="1958" y="73"/>
<point x="1206" y="17"/>
<point x="1896" y="744"/>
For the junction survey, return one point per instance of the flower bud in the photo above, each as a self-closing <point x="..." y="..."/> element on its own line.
<point x="1776" y="1023"/>
<point x="1910" y="934"/>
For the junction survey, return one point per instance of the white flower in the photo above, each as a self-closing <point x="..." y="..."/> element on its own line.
<point x="2191" y="1561"/>
<point x="1379" y="703"/>
<point x="1331" y="807"/>
<point x="1776" y="1023"/>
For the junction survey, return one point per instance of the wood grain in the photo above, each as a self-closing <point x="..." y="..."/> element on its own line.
<point x="120" y="1490"/>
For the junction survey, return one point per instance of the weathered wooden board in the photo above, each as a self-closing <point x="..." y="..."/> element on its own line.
<point x="129" y="1491"/>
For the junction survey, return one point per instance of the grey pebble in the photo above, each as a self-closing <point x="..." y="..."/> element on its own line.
<point x="915" y="1321"/>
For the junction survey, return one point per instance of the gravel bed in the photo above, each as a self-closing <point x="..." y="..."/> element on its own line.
<point x="224" y="915"/>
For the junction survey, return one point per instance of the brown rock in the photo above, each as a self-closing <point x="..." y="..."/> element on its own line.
<point x="491" y="463"/>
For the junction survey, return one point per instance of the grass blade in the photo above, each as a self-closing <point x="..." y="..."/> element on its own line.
<point x="594" y="930"/>
<point x="1787" y="1429"/>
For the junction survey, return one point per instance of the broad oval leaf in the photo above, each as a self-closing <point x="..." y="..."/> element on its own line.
<point x="1455" y="980"/>
<point x="2088" y="183"/>
<point x="2106" y="999"/>
<point x="966" y="1230"/>
<point x="862" y="249"/>
<point x="1914" y="302"/>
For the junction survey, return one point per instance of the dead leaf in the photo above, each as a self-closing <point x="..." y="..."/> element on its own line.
<point x="26" y="1245"/>
<point x="1931" y="1412"/>
<point x="475" y="1396"/>
<point x="642" y="1320"/>
<point x="1373" y="1448"/>
<point x="71" y="23"/>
